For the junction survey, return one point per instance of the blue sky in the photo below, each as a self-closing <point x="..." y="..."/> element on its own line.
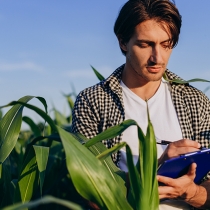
<point x="48" y="46"/>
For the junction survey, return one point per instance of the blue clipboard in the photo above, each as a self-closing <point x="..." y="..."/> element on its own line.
<point x="179" y="166"/>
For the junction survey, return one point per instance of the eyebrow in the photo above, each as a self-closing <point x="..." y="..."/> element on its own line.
<point x="149" y="41"/>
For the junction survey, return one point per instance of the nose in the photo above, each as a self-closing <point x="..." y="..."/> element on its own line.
<point x="156" y="55"/>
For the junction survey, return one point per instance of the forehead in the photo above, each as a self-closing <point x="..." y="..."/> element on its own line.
<point x="152" y="30"/>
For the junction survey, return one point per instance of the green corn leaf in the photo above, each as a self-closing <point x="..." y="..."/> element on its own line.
<point x="188" y="81"/>
<point x="1" y="114"/>
<point x="41" y="99"/>
<point x="55" y="165"/>
<point x="1" y="173"/>
<point x="99" y="76"/>
<point x="79" y="137"/>
<point x="154" y="198"/>
<point x="51" y="137"/>
<point x="179" y="81"/>
<point x="19" y="148"/>
<point x="141" y="137"/>
<point x="134" y="179"/>
<point x="111" y="132"/>
<point x="60" y="118"/>
<point x="10" y="128"/>
<point x="70" y="101"/>
<point x="44" y="200"/>
<point x="148" y="168"/>
<point x="18" y="153"/>
<point x="35" y="140"/>
<point x="34" y="127"/>
<point x="73" y="93"/>
<point x="108" y="152"/>
<point x="46" y="117"/>
<point x="97" y="149"/>
<point x="90" y="177"/>
<point x="118" y="175"/>
<point x="28" y="180"/>
<point x="48" y="130"/>
<point x="5" y="193"/>
<point x="42" y="154"/>
<point x="12" y="188"/>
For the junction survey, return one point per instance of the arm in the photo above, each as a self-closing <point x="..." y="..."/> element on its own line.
<point x="84" y="118"/>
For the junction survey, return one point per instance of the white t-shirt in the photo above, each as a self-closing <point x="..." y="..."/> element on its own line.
<point x="164" y="120"/>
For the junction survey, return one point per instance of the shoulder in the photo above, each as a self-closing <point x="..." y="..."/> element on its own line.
<point x="191" y="91"/>
<point x="90" y="97"/>
<point x="101" y="89"/>
<point x="92" y="90"/>
<point x="187" y="91"/>
<point x="195" y="96"/>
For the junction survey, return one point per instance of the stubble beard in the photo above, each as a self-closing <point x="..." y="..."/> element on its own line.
<point x="142" y="72"/>
<point x="149" y="77"/>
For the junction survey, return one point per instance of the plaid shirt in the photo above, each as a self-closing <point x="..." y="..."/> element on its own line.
<point x="101" y="106"/>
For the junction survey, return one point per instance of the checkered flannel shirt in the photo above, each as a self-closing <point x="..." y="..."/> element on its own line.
<point x="101" y="106"/>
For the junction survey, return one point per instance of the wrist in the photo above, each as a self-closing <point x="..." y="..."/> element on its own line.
<point x="198" y="197"/>
<point x="193" y="194"/>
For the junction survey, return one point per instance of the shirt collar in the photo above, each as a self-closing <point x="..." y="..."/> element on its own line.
<point x="113" y="81"/>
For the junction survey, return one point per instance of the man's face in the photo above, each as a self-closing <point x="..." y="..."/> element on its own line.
<point x="148" y="52"/>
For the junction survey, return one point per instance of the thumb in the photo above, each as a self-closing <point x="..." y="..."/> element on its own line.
<point x="192" y="171"/>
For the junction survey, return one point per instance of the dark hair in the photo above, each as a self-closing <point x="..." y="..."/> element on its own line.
<point x="135" y="12"/>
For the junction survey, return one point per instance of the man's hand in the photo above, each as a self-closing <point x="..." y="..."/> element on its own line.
<point x="183" y="188"/>
<point x="177" y="148"/>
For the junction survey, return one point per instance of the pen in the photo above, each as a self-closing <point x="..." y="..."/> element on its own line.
<point x="163" y="142"/>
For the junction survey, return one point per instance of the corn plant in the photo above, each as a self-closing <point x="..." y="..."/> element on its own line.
<point x="85" y="165"/>
<point x="30" y="163"/>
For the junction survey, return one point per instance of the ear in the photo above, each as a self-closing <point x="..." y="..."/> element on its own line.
<point x="122" y="44"/>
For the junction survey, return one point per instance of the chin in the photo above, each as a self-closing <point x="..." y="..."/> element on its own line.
<point x="154" y="77"/>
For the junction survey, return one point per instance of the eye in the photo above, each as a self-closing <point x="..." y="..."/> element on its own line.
<point x="166" y="45"/>
<point x="143" y="45"/>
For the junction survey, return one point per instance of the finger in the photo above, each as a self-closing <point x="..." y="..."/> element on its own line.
<point x="187" y="143"/>
<point x="192" y="171"/>
<point x="165" y="192"/>
<point x="165" y="180"/>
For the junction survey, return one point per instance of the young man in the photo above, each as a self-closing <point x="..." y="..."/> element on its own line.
<point x="147" y="31"/>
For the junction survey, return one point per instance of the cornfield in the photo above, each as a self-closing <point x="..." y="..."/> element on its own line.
<point x="48" y="166"/>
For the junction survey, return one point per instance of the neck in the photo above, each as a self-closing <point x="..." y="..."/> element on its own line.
<point x="144" y="89"/>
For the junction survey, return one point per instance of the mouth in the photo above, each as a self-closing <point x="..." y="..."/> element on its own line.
<point x="154" y="69"/>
